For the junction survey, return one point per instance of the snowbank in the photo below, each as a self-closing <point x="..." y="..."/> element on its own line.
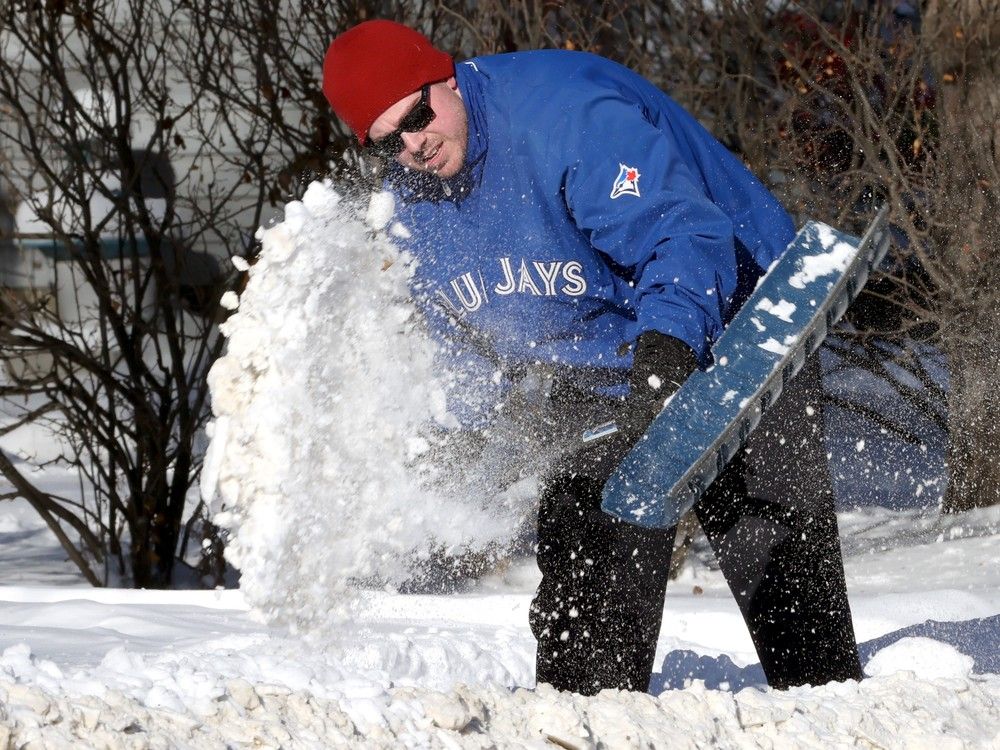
<point x="84" y="667"/>
<point x="898" y="710"/>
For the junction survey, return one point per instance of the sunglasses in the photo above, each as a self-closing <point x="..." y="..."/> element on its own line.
<point x="415" y="120"/>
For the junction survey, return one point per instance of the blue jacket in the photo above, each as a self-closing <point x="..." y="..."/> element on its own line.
<point x="591" y="208"/>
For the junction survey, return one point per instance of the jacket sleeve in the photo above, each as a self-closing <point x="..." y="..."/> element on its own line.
<point x="669" y="239"/>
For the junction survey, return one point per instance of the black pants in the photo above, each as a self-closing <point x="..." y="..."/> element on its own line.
<point x="770" y="520"/>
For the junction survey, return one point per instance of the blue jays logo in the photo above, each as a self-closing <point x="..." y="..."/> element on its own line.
<point x="627" y="182"/>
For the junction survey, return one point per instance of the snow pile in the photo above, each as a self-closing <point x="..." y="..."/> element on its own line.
<point x="84" y="667"/>
<point x="325" y="402"/>
<point x="898" y="710"/>
<point x="925" y="657"/>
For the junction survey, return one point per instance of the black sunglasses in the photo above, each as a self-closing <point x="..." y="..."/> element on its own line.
<point x="415" y="120"/>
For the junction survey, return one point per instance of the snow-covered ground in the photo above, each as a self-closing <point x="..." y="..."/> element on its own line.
<point x="302" y="656"/>
<point x="119" y="668"/>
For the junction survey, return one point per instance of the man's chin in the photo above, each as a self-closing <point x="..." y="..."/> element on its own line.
<point x="449" y="168"/>
<point x="445" y="173"/>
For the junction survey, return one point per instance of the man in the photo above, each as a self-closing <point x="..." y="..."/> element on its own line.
<point x="568" y="217"/>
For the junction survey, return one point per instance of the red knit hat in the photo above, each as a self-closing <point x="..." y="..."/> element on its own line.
<point x="373" y="65"/>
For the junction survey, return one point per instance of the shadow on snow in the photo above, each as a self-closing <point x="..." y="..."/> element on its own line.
<point x="979" y="639"/>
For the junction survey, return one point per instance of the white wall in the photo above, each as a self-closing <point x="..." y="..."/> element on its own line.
<point x="193" y="171"/>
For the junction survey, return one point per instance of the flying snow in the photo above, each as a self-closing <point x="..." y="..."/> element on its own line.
<point x="325" y="403"/>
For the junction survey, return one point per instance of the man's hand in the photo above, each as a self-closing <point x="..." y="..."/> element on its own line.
<point x="660" y="365"/>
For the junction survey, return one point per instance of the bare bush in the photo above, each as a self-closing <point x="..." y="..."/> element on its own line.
<point x="873" y="106"/>
<point x="111" y="356"/>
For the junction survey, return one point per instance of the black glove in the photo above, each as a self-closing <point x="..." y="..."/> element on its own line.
<point x="660" y="365"/>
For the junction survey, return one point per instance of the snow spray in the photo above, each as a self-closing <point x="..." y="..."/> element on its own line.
<point x="325" y="403"/>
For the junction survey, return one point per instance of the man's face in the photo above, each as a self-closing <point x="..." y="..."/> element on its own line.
<point x="440" y="147"/>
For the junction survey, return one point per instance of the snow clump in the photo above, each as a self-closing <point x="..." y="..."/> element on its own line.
<point x="323" y="405"/>
<point x="927" y="658"/>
